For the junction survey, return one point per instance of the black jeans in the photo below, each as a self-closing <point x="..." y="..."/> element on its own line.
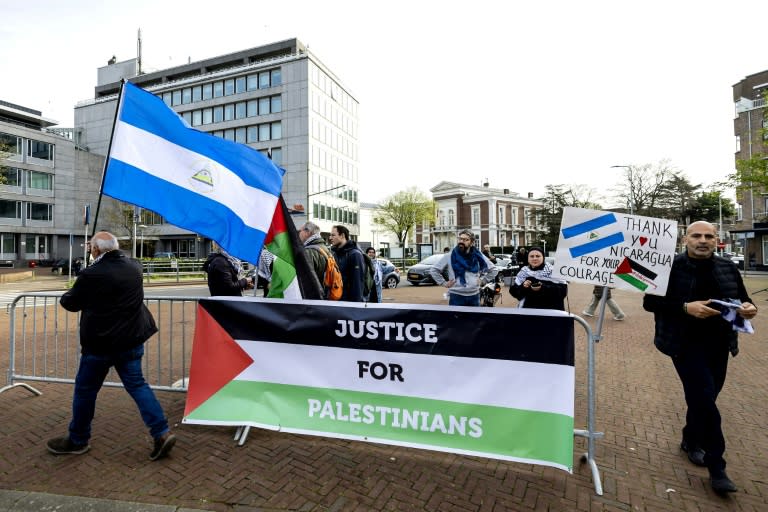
<point x="702" y="372"/>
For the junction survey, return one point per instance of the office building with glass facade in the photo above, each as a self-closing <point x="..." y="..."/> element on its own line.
<point x="277" y="98"/>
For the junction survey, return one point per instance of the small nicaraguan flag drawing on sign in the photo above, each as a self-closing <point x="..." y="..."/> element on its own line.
<point x="635" y="274"/>
<point x="596" y="242"/>
<point x="217" y="188"/>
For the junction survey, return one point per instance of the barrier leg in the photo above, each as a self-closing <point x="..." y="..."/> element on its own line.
<point x="23" y="385"/>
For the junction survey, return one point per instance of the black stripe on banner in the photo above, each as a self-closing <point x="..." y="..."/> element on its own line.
<point x="650" y="274"/>
<point x="439" y="331"/>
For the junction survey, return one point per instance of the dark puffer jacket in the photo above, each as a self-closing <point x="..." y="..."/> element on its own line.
<point x="672" y="327"/>
<point x="222" y="277"/>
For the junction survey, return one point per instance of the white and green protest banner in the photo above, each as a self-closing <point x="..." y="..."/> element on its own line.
<point x="497" y="383"/>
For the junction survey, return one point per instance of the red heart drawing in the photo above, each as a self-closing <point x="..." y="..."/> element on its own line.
<point x="643" y="240"/>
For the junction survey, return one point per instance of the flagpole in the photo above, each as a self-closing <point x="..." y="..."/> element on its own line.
<point x="106" y="160"/>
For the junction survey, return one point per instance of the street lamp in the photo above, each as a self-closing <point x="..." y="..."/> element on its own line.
<point x="631" y="197"/>
<point x="545" y="247"/>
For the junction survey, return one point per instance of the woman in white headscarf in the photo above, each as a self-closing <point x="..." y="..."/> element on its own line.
<point x="536" y="287"/>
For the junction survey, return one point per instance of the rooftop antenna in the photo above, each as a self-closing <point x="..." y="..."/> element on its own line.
<point x="138" y="52"/>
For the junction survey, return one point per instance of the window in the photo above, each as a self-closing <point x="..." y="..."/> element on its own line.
<point x="218" y="89"/>
<point x="527" y="216"/>
<point x="207" y="115"/>
<point x="277" y="156"/>
<point x="10" y="176"/>
<point x="240" y="135"/>
<point x="264" y="131"/>
<point x="441" y="218"/>
<point x="240" y="110"/>
<point x="187" y="116"/>
<point x="40" y="180"/>
<point x="277" y="130"/>
<point x="10" y="209"/>
<point x="239" y="85"/>
<point x="39" y="211"/>
<point x="264" y="80"/>
<point x="229" y="134"/>
<point x="277" y="104"/>
<point x="253" y="108"/>
<point x="475" y="216"/>
<point x="229" y="112"/>
<point x="41" y="150"/>
<point x="263" y="106"/>
<point x="197" y="117"/>
<point x="514" y="219"/>
<point x="218" y="114"/>
<point x="451" y="218"/>
<point x="252" y="82"/>
<point x="168" y="98"/>
<point x="501" y="216"/>
<point x="186" y="95"/>
<point x="207" y="91"/>
<point x="229" y="87"/>
<point x="176" y="98"/>
<point x="197" y="93"/>
<point x="252" y="134"/>
<point x="277" y="77"/>
<point x="7" y="243"/>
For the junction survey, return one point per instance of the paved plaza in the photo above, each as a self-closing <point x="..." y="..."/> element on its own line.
<point x="639" y="408"/>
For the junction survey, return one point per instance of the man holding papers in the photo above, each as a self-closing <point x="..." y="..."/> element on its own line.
<point x="692" y="331"/>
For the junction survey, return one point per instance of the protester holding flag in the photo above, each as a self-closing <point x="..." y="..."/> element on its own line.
<point x="535" y="286"/>
<point x="468" y="271"/>
<point x="114" y="324"/>
<point x="698" y="339"/>
<point x="351" y="264"/>
<point x="224" y="274"/>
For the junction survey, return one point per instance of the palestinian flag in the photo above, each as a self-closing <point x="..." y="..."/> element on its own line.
<point x="292" y="276"/>
<point x="494" y="383"/>
<point x="635" y="274"/>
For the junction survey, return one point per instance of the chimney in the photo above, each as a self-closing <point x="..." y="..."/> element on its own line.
<point x="485" y="184"/>
<point x="530" y="195"/>
<point x="506" y="191"/>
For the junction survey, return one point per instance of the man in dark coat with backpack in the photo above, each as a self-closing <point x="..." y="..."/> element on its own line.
<point x="352" y="264"/>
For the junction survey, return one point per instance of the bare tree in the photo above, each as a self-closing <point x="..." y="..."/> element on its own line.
<point x="643" y="187"/>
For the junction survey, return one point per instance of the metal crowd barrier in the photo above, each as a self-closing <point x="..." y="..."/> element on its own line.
<point x="44" y="342"/>
<point x="44" y="347"/>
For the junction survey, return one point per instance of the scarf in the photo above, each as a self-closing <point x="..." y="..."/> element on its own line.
<point x="473" y="262"/>
<point x="234" y="261"/>
<point x="541" y="272"/>
<point x="311" y="239"/>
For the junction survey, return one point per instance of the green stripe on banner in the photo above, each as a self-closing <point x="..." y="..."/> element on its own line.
<point x="506" y="433"/>
<point x="633" y="281"/>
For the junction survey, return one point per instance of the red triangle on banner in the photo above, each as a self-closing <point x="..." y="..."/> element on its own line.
<point x="624" y="267"/>
<point x="216" y="360"/>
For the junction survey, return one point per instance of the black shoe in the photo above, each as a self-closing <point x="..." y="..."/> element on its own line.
<point x="695" y="454"/>
<point x="64" y="446"/>
<point x="163" y="445"/>
<point x="720" y="482"/>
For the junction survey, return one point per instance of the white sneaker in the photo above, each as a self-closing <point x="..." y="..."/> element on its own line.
<point x="619" y="318"/>
<point x="586" y="314"/>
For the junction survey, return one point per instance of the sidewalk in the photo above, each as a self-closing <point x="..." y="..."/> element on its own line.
<point x="639" y="408"/>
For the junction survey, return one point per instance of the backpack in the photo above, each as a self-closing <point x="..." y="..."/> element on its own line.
<point x="369" y="280"/>
<point x="331" y="283"/>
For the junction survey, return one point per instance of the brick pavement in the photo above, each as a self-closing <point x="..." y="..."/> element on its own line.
<point x="639" y="404"/>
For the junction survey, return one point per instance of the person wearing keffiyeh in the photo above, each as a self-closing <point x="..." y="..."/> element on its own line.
<point x="468" y="270"/>
<point x="224" y="274"/>
<point x="536" y="287"/>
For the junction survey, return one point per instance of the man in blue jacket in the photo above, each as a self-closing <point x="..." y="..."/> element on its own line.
<point x="114" y="324"/>
<point x="697" y="337"/>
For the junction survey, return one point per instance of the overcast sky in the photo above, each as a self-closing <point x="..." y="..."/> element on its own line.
<point x="522" y="94"/>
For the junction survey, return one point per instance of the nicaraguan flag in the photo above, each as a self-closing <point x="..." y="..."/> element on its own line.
<point x="217" y="188"/>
